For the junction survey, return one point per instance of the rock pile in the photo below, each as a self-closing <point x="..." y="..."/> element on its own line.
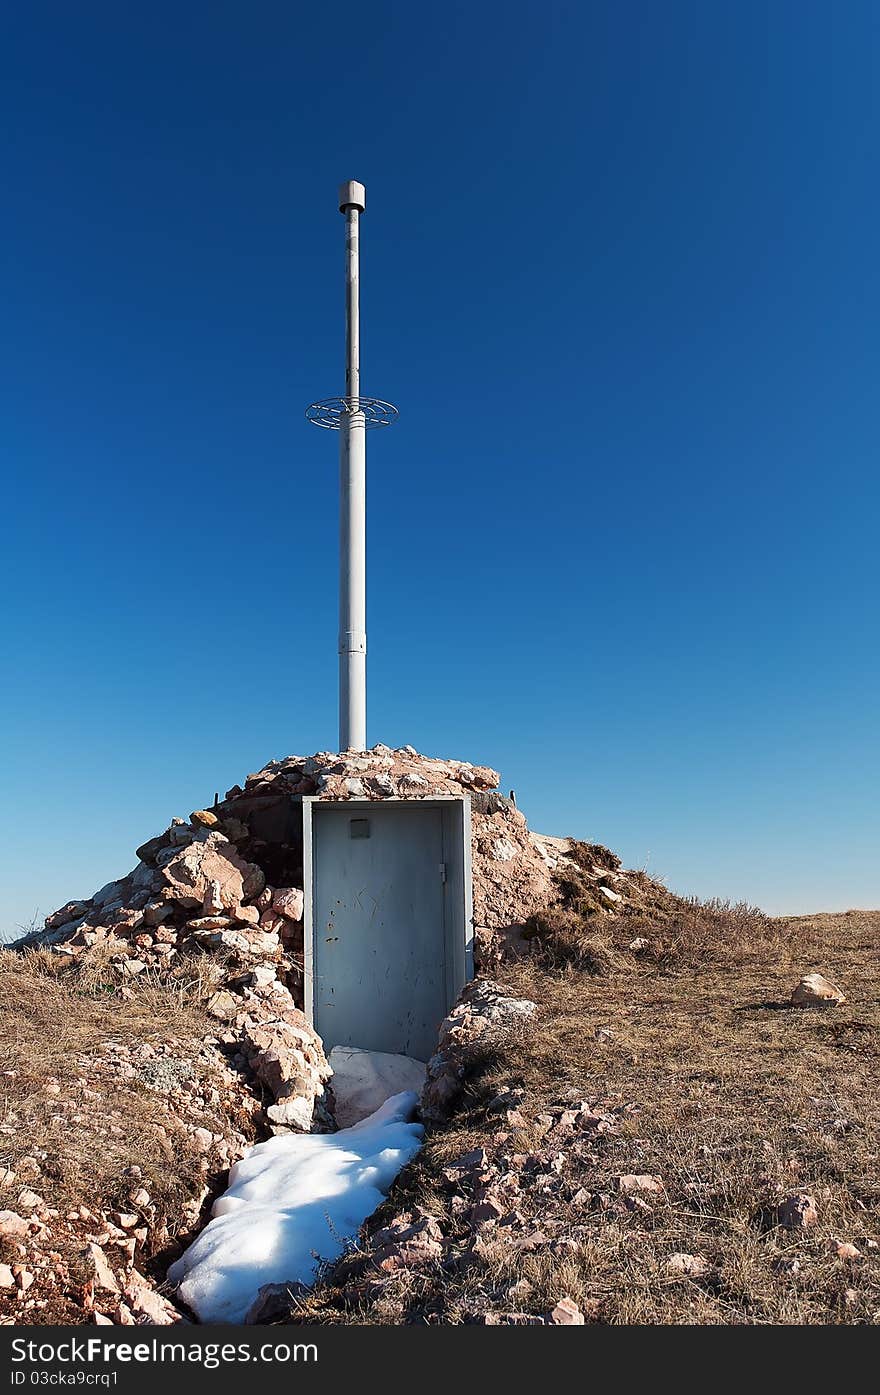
<point x="221" y="895"/>
<point x="228" y="884"/>
<point x="512" y="875"/>
<point x="193" y="893"/>
<point x="483" y="1008"/>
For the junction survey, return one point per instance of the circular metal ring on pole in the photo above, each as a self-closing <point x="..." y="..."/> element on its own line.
<point x="331" y="412"/>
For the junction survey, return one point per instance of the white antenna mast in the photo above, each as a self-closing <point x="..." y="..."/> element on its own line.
<point x="352" y="416"/>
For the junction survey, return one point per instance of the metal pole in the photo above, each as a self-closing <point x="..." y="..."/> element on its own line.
<point x="352" y="501"/>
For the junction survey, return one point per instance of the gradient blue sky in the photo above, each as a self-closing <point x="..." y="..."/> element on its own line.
<point x="621" y="276"/>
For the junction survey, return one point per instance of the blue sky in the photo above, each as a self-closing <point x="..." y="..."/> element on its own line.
<point x="620" y="275"/>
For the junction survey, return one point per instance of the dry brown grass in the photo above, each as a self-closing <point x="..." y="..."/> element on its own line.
<point x="104" y="1080"/>
<point x="672" y="932"/>
<point x="59" y="1104"/>
<point x="735" y="1098"/>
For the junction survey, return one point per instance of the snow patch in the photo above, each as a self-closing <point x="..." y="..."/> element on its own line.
<point x="293" y="1202"/>
<point x="363" y="1080"/>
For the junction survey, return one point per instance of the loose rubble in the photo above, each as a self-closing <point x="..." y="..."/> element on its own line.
<point x="223" y="891"/>
<point x="228" y="884"/>
<point x="491" y="1193"/>
<point x="483" y="1008"/>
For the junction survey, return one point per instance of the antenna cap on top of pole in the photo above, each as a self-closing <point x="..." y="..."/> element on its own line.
<point x="352" y="195"/>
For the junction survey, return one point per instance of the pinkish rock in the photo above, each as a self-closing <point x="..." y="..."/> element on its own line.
<point x="274" y="1301"/>
<point x="272" y="922"/>
<point x="472" y="1161"/>
<point x="287" y="1056"/>
<point x="410" y="1241"/>
<point x="567" y="1314"/>
<point x="688" y="1266"/>
<point x="209" y="922"/>
<point x="263" y="976"/>
<point x="147" y="1305"/>
<point x="797" y="1212"/>
<point x="103" y="1274"/>
<point x="815" y="991"/>
<point x="632" y="1183"/>
<point x="211" y="858"/>
<point x="12" y="1225"/>
<point x="212" y="902"/>
<point x="288" y="902"/>
<point x="295" y="1112"/>
<point x="843" y="1249"/>
<point x="489" y="1209"/>
<point x="71" y="911"/>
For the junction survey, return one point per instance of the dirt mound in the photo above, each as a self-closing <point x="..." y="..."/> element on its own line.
<point x="229" y="879"/>
<point x="211" y="919"/>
